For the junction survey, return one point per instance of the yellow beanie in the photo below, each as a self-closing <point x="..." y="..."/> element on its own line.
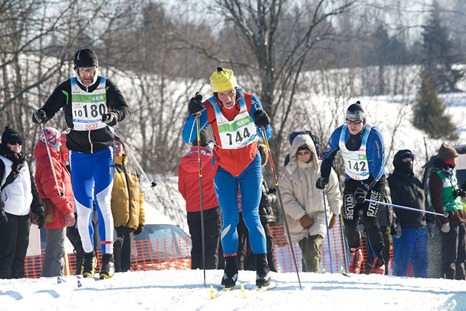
<point x="222" y="79"/>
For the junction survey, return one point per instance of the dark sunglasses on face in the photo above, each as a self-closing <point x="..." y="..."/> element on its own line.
<point x="305" y="152"/>
<point x="353" y="122"/>
<point x="15" y="141"/>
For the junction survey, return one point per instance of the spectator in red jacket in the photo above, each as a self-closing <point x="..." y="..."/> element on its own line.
<point x="54" y="186"/>
<point x="188" y="185"/>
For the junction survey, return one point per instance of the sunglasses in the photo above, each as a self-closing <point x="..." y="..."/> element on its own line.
<point x="353" y="122"/>
<point x="15" y="141"/>
<point x="304" y="152"/>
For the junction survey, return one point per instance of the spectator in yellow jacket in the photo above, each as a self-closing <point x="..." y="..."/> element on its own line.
<point x="127" y="208"/>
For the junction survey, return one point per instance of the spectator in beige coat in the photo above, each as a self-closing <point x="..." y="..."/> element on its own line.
<point x="303" y="202"/>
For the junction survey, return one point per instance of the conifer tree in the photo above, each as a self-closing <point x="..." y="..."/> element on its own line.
<point x="429" y="111"/>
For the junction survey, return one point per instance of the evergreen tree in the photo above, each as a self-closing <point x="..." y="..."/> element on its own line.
<point x="438" y="53"/>
<point x="429" y="111"/>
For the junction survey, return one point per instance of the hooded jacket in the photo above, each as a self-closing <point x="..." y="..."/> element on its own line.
<point x="188" y="180"/>
<point x="47" y="187"/>
<point x="300" y="195"/>
<point x="127" y="199"/>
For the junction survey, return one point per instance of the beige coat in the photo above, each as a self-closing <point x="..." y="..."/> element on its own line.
<point x="301" y="196"/>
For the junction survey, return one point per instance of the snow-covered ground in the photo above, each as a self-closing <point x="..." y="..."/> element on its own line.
<point x="185" y="290"/>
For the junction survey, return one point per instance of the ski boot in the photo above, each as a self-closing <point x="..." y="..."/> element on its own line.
<point x="263" y="277"/>
<point x="355" y="260"/>
<point x="378" y="266"/>
<point x="107" y="267"/>
<point x="88" y="265"/>
<point x="230" y="275"/>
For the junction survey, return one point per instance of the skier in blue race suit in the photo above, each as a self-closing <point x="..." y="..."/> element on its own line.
<point x="92" y="104"/>
<point x="362" y="149"/>
<point x="236" y="119"/>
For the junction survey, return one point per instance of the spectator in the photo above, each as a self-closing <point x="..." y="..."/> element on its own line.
<point x="127" y="207"/>
<point x="92" y="105"/>
<point x="303" y="203"/>
<point x="446" y="197"/>
<point x="18" y="197"/>
<point x="237" y="120"/>
<point x="362" y="148"/>
<point x="189" y="187"/>
<point x="245" y="259"/>
<point x="410" y="241"/>
<point x="54" y="186"/>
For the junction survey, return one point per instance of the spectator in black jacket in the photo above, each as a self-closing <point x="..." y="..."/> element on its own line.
<point x="410" y="241"/>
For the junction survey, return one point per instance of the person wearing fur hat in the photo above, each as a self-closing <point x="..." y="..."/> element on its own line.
<point x="362" y="148"/>
<point x="410" y="241"/>
<point x="18" y="199"/>
<point x="92" y="105"/>
<point x="303" y="202"/>
<point x="446" y="196"/>
<point x="237" y="120"/>
<point x="188" y="185"/>
<point x="54" y="186"/>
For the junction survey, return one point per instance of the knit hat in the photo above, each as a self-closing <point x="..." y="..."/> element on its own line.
<point x="85" y="58"/>
<point x="398" y="160"/>
<point x="264" y="154"/>
<point x="50" y="136"/>
<point x="10" y="136"/>
<point x="356" y="112"/>
<point x="222" y="79"/>
<point x="447" y="153"/>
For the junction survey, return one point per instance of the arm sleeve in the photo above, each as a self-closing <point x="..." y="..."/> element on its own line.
<point x="189" y="133"/>
<point x="329" y="155"/>
<point x="291" y="206"/>
<point x="57" y="100"/>
<point x="436" y="189"/>
<point x="376" y="157"/>
<point x="36" y="204"/>
<point x="117" y="101"/>
<point x="256" y="105"/>
<point x="334" y="194"/>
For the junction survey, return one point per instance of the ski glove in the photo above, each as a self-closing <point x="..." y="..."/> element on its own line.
<point x="39" y="116"/>
<point x="195" y="105"/>
<point x="40" y="219"/>
<point x="139" y="229"/>
<point x="321" y="182"/>
<point x="359" y="195"/>
<point x="445" y="228"/>
<point x="109" y="118"/>
<point x="261" y="118"/>
<point x="3" y="218"/>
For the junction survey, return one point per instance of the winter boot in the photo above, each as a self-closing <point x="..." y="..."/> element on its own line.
<point x="107" y="268"/>
<point x="230" y="274"/>
<point x="263" y="277"/>
<point x="355" y="260"/>
<point x="88" y="265"/>
<point x="378" y="266"/>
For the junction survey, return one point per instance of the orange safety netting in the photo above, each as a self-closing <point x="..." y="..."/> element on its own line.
<point x="160" y="254"/>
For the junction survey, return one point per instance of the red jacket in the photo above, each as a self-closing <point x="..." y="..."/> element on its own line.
<point x="188" y="180"/>
<point x="47" y="188"/>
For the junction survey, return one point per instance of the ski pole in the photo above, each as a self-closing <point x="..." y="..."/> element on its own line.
<point x="131" y="155"/>
<point x="275" y="178"/>
<point x="344" y="241"/>
<point x="328" y="232"/>
<point x="407" y="208"/>
<point x="201" y="206"/>
<point x="60" y="194"/>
